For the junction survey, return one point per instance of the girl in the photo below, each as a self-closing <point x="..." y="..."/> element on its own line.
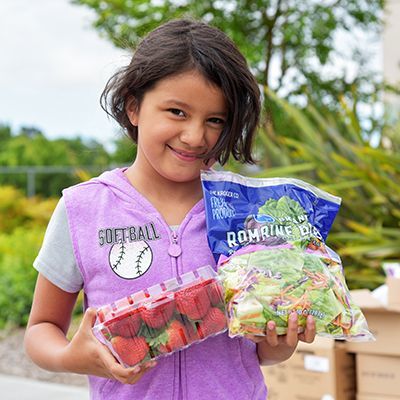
<point x="187" y="99"/>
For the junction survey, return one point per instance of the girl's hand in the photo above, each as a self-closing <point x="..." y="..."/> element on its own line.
<point x="86" y="355"/>
<point x="274" y="348"/>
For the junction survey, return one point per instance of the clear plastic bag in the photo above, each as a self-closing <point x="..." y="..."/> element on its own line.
<point x="268" y="237"/>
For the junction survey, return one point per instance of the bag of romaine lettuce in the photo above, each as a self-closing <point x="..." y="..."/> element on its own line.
<point x="268" y="238"/>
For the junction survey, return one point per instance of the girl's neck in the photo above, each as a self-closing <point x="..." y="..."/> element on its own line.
<point x="172" y="199"/>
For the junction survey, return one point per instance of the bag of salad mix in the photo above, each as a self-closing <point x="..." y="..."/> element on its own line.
<point x="268" y="238"/>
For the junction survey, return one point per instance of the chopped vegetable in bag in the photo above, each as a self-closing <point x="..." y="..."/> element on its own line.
<point x="268" y="237"/>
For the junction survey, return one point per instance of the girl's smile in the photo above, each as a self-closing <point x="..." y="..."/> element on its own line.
<point x="186" y="155"/>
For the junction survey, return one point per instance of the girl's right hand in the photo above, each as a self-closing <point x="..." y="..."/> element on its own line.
<point x="85" y="354"/>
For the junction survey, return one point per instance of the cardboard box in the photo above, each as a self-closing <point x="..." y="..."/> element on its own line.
<point x="318" y="371"/>
<point x="383" y="322"/>
<point x="393" y="293"/>
<point x="378" y="375"/>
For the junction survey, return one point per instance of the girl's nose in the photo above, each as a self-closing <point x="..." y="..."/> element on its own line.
<point x="194" y="135"/>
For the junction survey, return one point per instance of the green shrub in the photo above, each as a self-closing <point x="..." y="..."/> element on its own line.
<point x="17" y="276"/>
<point x="17" y="210"/>
<point x="22" y="225"/>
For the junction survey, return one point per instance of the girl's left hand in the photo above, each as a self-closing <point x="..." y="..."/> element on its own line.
<point x="274" y="348"/>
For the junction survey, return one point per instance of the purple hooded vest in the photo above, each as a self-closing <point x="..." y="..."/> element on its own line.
<point x="123" y="245"/>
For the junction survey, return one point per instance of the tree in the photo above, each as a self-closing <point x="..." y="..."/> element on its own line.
<point x="124" y="151"/>
<point x="298" y="38"/>
<point x="30" y="147"/>
<point x="5" y="133"/>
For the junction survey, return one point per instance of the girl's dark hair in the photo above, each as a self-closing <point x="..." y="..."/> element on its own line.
<point x="182" y="45"/>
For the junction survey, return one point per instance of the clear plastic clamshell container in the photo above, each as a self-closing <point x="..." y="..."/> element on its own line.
<point x="164" y="318"/>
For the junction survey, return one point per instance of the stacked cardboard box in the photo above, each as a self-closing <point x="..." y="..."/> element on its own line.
<point x="378" y="363"/>
<point x="393" y="293"/>
<point x="322" y="370"/>
<point x="375" y="397"/>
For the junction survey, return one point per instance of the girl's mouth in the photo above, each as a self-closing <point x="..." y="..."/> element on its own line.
<point x="185" y="155"/>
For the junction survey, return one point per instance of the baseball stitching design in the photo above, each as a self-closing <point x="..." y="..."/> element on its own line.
<point x="131" y="259"/>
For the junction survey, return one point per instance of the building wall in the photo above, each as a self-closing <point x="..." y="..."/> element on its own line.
<point x="391" y="49"/>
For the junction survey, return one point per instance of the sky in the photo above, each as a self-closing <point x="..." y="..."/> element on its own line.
<point x="53" y="68"/>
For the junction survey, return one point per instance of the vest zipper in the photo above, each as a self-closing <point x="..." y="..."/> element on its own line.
<point x="174" y="250"/>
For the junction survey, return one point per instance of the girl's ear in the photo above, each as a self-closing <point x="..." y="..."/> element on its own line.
<point x="132" y="110"/>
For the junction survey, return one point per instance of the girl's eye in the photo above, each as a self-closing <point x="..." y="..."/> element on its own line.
<point x="216" y="120"/>
<point x="177" y="112"/>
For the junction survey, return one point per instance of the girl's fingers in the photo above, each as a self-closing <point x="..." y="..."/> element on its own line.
<point x="126" y="375"/>
<point x="150" y="364"/>
<point x="107" y="357"/>
<point x="292" y="335"/>
<point x="138" y="372"/>
<point x="116" y="370"/>
<point x="132" y="374"/>
<point x="121" y="373"/>
<point x="89" y="318"/>
<point x="272" y="337"/>
<point x="292" y="331"/>
<point x="309" y="334"/>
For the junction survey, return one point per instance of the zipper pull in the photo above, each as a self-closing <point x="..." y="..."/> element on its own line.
<point x="174" y="250"/>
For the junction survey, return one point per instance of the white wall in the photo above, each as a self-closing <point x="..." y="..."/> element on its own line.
<point x="391" y="49"/>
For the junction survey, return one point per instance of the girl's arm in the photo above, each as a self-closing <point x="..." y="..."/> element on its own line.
<point x="46" y="343"/>
<point x="273" y="349"/>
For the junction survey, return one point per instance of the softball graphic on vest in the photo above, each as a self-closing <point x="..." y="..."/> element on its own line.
<point x="130" y="254"/>
<point x="130" y="260"/>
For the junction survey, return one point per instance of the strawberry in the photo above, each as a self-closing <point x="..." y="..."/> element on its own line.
<point x="215" y="293"/>
<point x="131" y="350"/>
<point x="213" y="322"/>
<point x="193" y="301"/>
<point x="156" y="316"/>
<point x="174" y="337"/>
<point x="126" y="325"/>
<point x="192" y="332"/>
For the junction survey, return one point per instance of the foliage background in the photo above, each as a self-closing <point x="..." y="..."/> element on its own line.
<point x="22" y="226"/>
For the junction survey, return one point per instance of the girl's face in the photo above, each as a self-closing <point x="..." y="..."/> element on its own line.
<point x="179" y="119"/>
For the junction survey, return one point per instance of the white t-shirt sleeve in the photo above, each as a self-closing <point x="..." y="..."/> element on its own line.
<point x="56" y="260"/>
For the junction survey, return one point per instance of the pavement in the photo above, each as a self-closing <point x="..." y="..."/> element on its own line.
<point x="16" y="388"/>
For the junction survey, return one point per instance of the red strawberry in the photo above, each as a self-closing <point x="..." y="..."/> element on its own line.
<point x="213" y="322"/>
<point x="174" y="337"/>
<point x="215" y="293"/>
<point x="192" y="332"/>
<point x="156" y="316"/>
<point x="126" y="325"/>
<point x="131" y="350"/>
<point x="193" y="301"/>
